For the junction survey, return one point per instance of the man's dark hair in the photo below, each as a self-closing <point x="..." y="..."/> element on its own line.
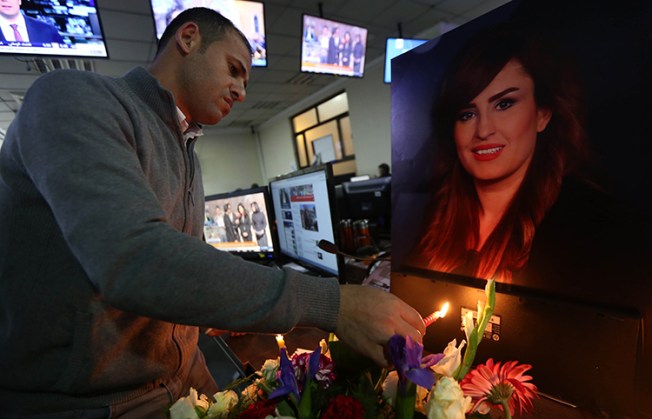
<point x="384" y="169"/>
<point x="212" y="27"/>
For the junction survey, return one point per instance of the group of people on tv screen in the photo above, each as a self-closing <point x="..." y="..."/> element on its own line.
<point x="336" y="48"/>
<point x="222" y="225"/>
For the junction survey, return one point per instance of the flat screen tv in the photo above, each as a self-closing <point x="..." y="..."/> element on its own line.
<point x="395" y="47"/>
<point x="304" y="207"/>
<point x="67" y="29"/>
<point x="248" y="16"/>
<point x="242" y="223"/>
<point x="572" y="251"/>
<point x="332" y="47"/>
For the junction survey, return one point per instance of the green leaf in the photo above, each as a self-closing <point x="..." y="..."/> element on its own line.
<point x="285" y="408"/>
<point x="365" y="393"/>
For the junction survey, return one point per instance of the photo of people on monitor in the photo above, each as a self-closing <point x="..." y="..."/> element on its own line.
<point x="248" y="16"/>
<point x="40" y="27"/>
<point x="238" y="222"/>
<point x="331" y="47"/>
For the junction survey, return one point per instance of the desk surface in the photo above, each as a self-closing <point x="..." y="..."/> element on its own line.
<point x="254" y="349"/>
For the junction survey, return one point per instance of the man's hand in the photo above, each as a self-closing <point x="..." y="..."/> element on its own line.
<point x="369" y="317"/>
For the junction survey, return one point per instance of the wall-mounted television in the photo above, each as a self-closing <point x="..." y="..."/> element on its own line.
<point x="304" y="207"/>
<point x="248" y="16"/>
<point x="67" y="29"/>
<point x="241" y="223"/>
<point x="395" y="47"/>
<point x="332" y="47"/>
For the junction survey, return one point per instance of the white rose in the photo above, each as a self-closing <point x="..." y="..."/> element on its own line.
<point x="184" y="408"/>
<point x="447" y="400"/>
<point x="224" y="402"/>
<point x="269" y="369"/>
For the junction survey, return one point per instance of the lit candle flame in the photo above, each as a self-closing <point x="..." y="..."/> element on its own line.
<point x="280" y="341"/>
<point x="436" y="315"/>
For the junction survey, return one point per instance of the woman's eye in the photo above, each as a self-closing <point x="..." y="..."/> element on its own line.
<point x="504" y="104"/>
<point x="465" y="116"/>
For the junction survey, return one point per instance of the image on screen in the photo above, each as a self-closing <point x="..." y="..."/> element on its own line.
<point x="239" y="222"/>
<point x="395" y="47"/>
<point x="69" y="29"/>
<point x="303" y="208"/>
<point x="559" y="258"/>
<point x="248" y="16"/>
<point x="331" y="47"/>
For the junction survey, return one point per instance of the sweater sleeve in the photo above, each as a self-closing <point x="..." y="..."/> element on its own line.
<point x="77" y="144"/>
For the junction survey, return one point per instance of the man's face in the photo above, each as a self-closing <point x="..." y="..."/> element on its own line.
<point x="10" y="8"/>
<point x="213" y="80"/>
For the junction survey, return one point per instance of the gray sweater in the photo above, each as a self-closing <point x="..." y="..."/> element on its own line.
<point x="104" y="277"/>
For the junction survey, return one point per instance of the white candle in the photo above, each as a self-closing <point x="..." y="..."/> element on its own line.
<point x="280" y="341"/>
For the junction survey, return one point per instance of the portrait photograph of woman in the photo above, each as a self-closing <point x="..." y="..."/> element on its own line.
<point x="520" y="145"/>
<point x="523" y="182"/>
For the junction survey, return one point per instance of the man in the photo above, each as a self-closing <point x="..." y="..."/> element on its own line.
<point x="104" y="278"/>
<point x="383" y="170"/>
<point x="19" y="28"/>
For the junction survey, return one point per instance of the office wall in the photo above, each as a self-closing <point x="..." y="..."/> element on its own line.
<point x="229" y="160"/>
<point x="370" y="112"/>
<point x="235" y="159"/>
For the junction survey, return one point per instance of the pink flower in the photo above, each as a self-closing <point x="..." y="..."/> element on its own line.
<point x="504" y="385"/>
<point x="324" y="375"/>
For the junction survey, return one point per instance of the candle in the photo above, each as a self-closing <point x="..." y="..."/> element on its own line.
<point x="280" y="341"/>
<point x="436" y="315"/>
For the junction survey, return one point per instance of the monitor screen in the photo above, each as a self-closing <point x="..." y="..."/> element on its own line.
<point x="67" y="29"/>
<point x="248" y="16"/>
<point x="371" y="200"/>
<point x="331" y="47"/>
<point x="304" y="207"/>
<point x="395" y="47"/>
<point x="241" y="223"/>
<point x="552" y="210"/>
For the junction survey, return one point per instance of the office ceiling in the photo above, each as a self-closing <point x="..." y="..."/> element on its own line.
<point x="129" y="29"/>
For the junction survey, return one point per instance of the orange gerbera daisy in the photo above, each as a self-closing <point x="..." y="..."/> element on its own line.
<point x="504" y="385"/>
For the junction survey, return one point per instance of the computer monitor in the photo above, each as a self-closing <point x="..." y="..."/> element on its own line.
<point x="304" y="207"/>
<point x="371" y="200"/>
<point x="241" y="223"/>
<point x="574" y="281"/>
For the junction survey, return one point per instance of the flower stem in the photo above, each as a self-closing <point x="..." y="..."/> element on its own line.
<point x="505" y="405"/>
<point x="405" y="401"/>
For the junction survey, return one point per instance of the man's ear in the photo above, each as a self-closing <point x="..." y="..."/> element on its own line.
<point x="187" y="37"/>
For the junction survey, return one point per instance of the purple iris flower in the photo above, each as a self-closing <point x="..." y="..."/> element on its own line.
<point x="286" y="378"/>
<point x="313" y="364"/>
<point x="405" y="354"/>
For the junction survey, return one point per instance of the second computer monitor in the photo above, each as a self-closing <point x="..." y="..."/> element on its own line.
<point x="305" y="213"/>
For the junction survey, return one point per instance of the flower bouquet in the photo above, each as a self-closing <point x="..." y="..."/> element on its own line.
<point x="335" y="382"/>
